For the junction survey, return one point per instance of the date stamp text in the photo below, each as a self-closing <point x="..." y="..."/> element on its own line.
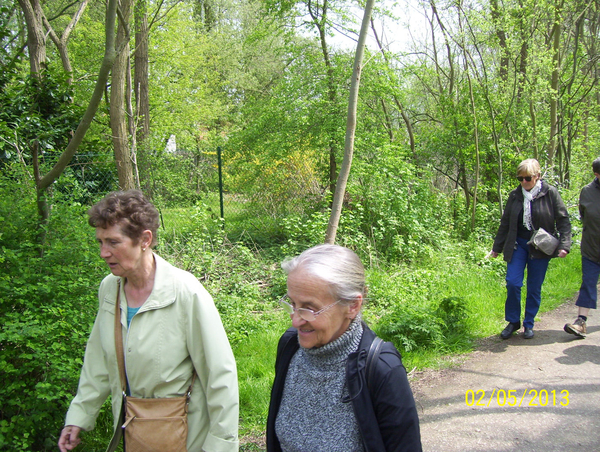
<point x="513" y="397"/>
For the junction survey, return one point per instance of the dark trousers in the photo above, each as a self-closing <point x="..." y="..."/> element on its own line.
<point x="588" y="292"/>
<point x="515" y="273"/>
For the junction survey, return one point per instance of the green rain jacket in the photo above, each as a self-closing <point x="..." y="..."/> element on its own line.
<point x="177" y="329"/>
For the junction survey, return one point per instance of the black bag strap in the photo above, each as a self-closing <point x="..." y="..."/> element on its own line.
<point x="372" y="356"/>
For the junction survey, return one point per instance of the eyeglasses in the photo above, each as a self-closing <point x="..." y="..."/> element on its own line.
<point x="305" y="314"/>
<point x="521" y="178"/>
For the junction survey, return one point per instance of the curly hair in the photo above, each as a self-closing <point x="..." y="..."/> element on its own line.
<point x="129" y="209"/>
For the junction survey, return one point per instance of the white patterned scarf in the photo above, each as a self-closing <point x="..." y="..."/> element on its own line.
<point x="529" y="196"/>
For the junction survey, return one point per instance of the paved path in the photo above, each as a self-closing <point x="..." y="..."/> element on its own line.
<point x="553" y="361"/>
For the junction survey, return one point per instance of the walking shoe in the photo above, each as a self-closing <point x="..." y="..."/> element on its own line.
<point x="510" y="329"/>
<point x="528" y="333"/>
<point x="577" y="327"/>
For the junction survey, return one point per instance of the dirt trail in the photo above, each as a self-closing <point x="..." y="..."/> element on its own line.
<point x="553" y="361"/>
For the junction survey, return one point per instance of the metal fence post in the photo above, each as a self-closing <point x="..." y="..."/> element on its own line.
<point x="221" y="183"/>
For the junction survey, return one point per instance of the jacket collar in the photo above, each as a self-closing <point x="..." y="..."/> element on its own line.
<point x="163" y="293"/>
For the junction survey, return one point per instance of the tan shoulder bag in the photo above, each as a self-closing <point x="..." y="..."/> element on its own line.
<point x="151" y="425"/>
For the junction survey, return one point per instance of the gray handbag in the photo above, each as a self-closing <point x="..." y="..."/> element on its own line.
<point x="544" y="241"/>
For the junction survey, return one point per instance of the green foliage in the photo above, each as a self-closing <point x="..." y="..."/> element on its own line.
<point x="302" y="233"/>
<point x="411" y="327"/>
<point x="395" y="207"/>
<point x="90" y="175"/>
<point x="241" y="283"/>
<point x="47" y="306"/>
<point x="184" y="178"/>
<point x="37" y="111"/>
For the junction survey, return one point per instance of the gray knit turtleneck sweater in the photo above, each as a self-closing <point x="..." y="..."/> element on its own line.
<point x="312" y="416"/>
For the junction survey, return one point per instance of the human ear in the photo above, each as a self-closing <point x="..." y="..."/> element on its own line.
<point x="146" y="239"/>
<point x="354" y="308"/>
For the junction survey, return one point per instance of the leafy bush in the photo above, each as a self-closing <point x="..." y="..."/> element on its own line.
<point x="396" y="207"/>
<point x="37" y="110"/>
<point x="244" y="287"/>
<point x="412" y="327"/>
<point x="47" y="306"/>
<point x="303" y="232"/>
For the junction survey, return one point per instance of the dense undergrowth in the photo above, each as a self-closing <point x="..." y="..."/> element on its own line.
<point x="432" y="294"/>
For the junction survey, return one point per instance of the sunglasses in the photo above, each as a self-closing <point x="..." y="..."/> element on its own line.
<point x="522" y="178"/>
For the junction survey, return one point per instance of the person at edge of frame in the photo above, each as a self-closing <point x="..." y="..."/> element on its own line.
<point x="589" y="212"/>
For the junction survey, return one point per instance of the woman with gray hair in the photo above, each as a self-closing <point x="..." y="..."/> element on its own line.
<point x="337" y="386"/>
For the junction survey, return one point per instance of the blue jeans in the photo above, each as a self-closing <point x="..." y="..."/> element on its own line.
<point x="515" y="272"/>
<point x="588" y="293"/>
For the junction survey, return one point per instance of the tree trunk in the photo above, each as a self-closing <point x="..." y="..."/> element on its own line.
<point x="342" y="180"/>
<point x="556" y="31"/>
<point x="90" y="112"/>
<point x="319" y="18"/>
<point x="141" y="71"/>
<point x="501" y="35"/>
<point x="44" y="182"/>
<point x="36" y="46"/>
<point x="407" y="123"/>
<point x="36" y="40"/>
<point x="118" y="117"/>
<point x="477" y="162"/>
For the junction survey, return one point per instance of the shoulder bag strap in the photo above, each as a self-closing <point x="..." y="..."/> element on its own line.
<point x="119" y="339"/>
<point x="372" y="357"/>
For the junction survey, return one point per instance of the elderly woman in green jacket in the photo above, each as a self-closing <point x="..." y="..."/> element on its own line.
<point x="170" y="328"/>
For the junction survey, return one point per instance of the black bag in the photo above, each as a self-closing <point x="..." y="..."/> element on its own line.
<point x="544" y="241"/>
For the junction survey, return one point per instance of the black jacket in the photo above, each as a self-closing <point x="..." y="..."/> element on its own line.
<point x="548" y="211"/>
<point x="386" y="413"/>
<point x="589" y="210"/>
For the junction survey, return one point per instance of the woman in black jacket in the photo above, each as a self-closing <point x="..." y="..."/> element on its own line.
<point x="332" y="391"/>
<point x="589" y="211"/>
<point x="532" y="206"/>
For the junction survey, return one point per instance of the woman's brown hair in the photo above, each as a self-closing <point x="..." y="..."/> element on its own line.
<point x="129" y="209"/>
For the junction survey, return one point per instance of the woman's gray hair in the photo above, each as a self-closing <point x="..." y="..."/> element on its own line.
<point x="339" y="267"/>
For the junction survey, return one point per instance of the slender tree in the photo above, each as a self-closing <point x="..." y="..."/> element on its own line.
<point x="342" y="180"/>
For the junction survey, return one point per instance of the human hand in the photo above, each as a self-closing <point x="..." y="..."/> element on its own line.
<point x="562" y="253"/>
<point x="492" y="254"/>
<point x="69" y="438"/>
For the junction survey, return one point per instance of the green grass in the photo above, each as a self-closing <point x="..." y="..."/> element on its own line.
<point x="239" y="224"/>
<point x="255" y="359"/>
<point x="481" y="285"/>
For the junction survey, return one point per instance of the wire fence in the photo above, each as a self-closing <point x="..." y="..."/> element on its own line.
<point x="209" y="192"/>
